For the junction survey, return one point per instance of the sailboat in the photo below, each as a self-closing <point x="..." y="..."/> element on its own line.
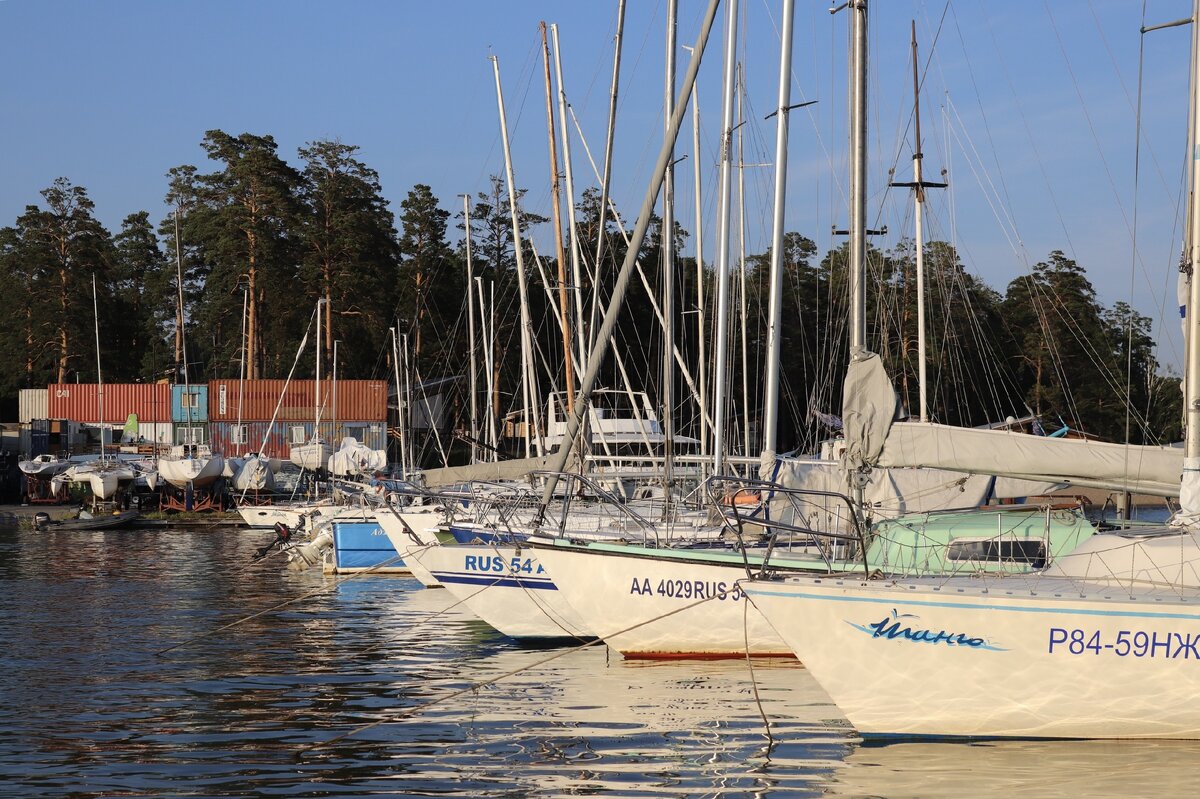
<point x="314" y="455"/>
<point x="1102" y="643"/>
<point x="667" y="597"/>
<point x="44" y="466"/>
<point x="250" y="471"/>
<point x="188" y="466"/>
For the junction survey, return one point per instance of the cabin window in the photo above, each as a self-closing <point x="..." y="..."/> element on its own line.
<point x="298" y="435"/>
<point x="238" y="434"/>
<point x="190" y="399"/>
<point x="1031" y="551"/>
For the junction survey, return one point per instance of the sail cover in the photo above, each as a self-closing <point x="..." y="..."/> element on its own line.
<point x="869" y="405"/>
<point x="1001" y="452"/>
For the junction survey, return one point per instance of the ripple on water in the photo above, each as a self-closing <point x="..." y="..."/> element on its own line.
<point x="88" y="709"/>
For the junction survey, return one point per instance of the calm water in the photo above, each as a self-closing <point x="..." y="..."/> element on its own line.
<point x="88" y="709"/>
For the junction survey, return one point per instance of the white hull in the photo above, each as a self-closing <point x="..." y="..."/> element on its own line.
<point x="199" y="472"/>
<point x="507" y="588"/>
<point x="422" y="523"/>
<point x="104" y="480"/>
<point x="1038" y="657"/>
<point x="611" y="591"/>
<point x="353" y="458"/>
<point x="270" y="515"/>
<point x="253" y="474"/>
<point x="43" y="467"/>
<point x="313" y="456"/>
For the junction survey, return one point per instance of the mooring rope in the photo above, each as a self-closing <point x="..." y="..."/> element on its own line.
<point x="475" y="686"/>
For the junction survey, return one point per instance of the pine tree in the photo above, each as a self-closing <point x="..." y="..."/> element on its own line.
<point x="146" y="288"/>
<point x="242" y="225"/>
<point x="351" y="256"/>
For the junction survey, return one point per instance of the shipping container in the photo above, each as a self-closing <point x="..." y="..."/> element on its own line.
<point x="189" y="404"/>
<point x="80" y="402"/>
<point x="32" y="403"/>
<point x="258" y="399"/>
<point x="161" y="433"/>
<point x="229" y="438"/>
<point x="195" y="433"/>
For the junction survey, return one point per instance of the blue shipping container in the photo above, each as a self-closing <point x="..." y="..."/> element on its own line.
<point x="189" y="403"/>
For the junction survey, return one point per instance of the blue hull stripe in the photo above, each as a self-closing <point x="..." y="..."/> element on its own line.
<point x="501" y="582"/>
<point x="901" y="600"/>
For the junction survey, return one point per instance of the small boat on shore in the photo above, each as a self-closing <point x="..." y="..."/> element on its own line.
<point x="44" y="466"/>
<point x="85" y="521"/>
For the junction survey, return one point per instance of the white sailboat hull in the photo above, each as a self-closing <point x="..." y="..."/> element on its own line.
<point x="679" y="608"/>
<point x="199" y="472"/>
<point x="313" y="456"/>
<point x="270" y="515"/>
<point x="44" y="469"/>
<point x="987" y="658"/>
<point x="253" y="474"/>
<point x="507" y="588"/>
<point x="103" y="483"/>
<point x="412" y="550"/>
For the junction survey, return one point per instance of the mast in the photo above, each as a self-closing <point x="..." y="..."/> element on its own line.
<point x="741" y="267"/>
<point x="242" y="372"/>
<point x="721" y="366"/>
<point x="182" y="322"/>
<point x="668" y="277"/>
<point x="858" y="176"/>
<point x="334" y="414"/>
<point x="701" y="348"/>
<point x="99" y="378"/>
<point x="399" y="404"/>
<point x="471" y="331"/>
<point x="576" y="270"/>
<point x="609" y="322"/>
<point x="560" y="253"/>
<point x="775" y="307"/>
<point x="317" y="379"/>
<point x="407" y="371"/>
<point x="527" y="368"/>
<point x="918" y="186"/>
<point x="1191" y="397"/>
<point x="604" y="183"/>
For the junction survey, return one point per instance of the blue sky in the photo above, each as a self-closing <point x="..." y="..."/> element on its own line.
<point x="1029" y="104"/>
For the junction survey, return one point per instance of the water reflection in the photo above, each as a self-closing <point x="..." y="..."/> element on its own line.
<point x="1051" y="769"/>
<point x="87" y="708"/>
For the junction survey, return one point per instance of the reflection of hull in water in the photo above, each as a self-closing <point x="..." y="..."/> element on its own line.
<point x="922" y="770"/>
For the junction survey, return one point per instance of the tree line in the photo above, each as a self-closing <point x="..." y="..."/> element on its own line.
<point x="258" y="240"/>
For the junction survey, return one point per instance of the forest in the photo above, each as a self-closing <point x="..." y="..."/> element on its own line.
<point x="258" y="238"/>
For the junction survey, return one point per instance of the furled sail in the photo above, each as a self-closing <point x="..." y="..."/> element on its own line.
<point x="1145" y="469"/>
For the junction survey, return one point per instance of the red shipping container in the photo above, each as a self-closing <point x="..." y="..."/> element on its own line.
<point x="358" y="400"/>
<point x="80" y="402"/>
